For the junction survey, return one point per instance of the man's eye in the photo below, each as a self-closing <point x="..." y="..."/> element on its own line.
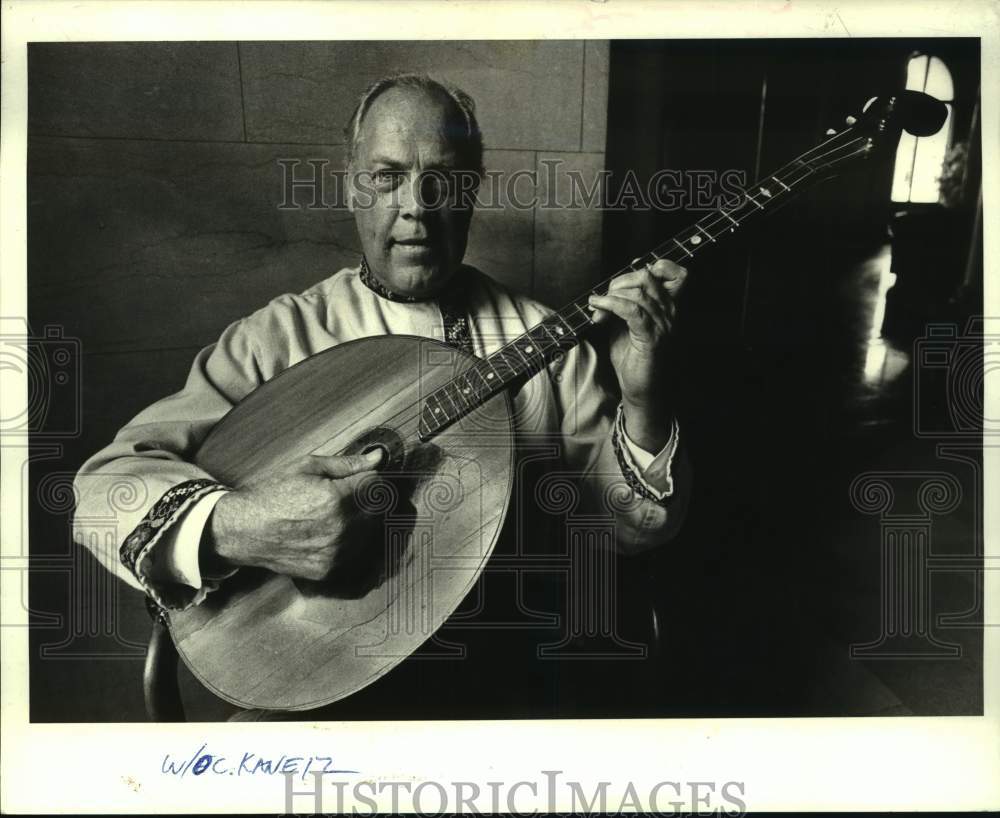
<point x="387" y="177"/>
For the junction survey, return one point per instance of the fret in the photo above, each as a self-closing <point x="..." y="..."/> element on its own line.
<point x="472" y="396"/>
<point x="724" y="213"/>
<point x="443" y="391"/>
<point x="564" y="330"/>
<point x="499" y="373"/>
<point x="492" y="382"/>
<point x="530" y="353"/>
<point x="586" y="316"/>
<point x="542" y="339"/>
<point x="434" y="410"/>
<point x="574" y="329"/>
<point x="538" y="335"/>
<point x="493" y="377"/>
<point x="458" y="398"/>
<point x="477" y="377"/>
<point x="786" y="187"/>
<point x="567" y="340"/>
<point x="467" y="389"/>
<point x="433" y="417"/>
<point x="558" y="335"/>
<point x="565" y="324"/>
<point x="523" y="361"/>
<point x="752" y="199"/>
<point x="434" y="406"/>
<point x="523" y="354"/>
<point x="424" y="427"/>
<point x="686" y="252"/>
<point x="501" y="358"/>
<point x="551" y="332"/>
<point x="510" y="358"/>
<point x="711" y="238"/>
<point x="486" y="386"/>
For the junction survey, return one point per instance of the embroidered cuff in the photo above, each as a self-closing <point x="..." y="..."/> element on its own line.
<point x="661" y="466"/>
<point x="179" y="551"/>
<point x="161" y="518"/>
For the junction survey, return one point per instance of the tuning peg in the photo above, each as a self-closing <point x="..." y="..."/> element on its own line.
<point x="830" y="132"/>
<point x="851" y="120"/>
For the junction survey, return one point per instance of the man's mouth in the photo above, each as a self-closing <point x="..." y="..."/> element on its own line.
<point x="415" y="248"/>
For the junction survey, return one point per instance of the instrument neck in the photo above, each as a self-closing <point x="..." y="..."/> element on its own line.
<point x="561" y="331"/>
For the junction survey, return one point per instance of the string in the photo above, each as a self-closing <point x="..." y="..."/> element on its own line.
<point x="481" y="397"/>
<point x="746" y="196"/>
<point x="724" y="218"/>
<point x="798" y="164"/>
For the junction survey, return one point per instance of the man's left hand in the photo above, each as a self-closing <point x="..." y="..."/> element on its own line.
<point x="644" y="301"/>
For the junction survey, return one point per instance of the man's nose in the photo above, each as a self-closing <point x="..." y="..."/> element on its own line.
<point x="424" y="191"/>
<point x="413" y="196"/>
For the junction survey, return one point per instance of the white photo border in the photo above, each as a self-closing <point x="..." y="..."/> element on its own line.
<point x="785" y="764"/>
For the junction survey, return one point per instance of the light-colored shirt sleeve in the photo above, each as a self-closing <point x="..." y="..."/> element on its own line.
<point x="655" y="470"/>
<point x="648" y="500"/>
<point x="146" y="480"/>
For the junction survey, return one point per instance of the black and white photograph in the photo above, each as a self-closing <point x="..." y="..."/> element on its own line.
<point x="372" y="382"/>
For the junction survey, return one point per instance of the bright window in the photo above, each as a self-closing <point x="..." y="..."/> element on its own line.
<point x="919" y="159"/>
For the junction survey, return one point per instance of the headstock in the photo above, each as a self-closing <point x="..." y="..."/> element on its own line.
<point x="875" y="131"/>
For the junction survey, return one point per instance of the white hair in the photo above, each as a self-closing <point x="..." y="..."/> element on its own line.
<point x="470" y="140"/>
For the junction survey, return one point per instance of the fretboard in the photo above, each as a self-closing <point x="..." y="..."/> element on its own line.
<point x="564" y="328"/>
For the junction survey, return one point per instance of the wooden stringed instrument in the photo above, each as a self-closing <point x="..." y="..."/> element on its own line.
<point x="443" y="420"/>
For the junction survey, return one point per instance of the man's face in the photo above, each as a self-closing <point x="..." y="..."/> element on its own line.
<point x="413" y="235"/>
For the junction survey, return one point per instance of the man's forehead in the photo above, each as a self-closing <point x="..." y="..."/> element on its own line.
<point x="402" y="117"/>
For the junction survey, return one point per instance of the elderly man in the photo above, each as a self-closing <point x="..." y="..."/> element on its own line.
<point x="409" y="138"/>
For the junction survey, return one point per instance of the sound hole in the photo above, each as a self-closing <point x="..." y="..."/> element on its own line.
<point x="390" y="443"/>
<point x="377" y="447"/>
<point x="369" y="554"/>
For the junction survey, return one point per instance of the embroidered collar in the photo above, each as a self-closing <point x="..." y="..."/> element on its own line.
<point x="372" y="283"/>
<point x="451" y="303"/>
<point x="453" y="295"/>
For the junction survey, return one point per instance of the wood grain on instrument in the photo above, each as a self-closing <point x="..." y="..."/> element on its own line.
<point x="265" y="641"/>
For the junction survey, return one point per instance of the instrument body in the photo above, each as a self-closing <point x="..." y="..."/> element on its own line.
<point x="267" y="641"/>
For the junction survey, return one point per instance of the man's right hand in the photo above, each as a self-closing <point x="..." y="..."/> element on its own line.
<point x="293" y="520"/>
